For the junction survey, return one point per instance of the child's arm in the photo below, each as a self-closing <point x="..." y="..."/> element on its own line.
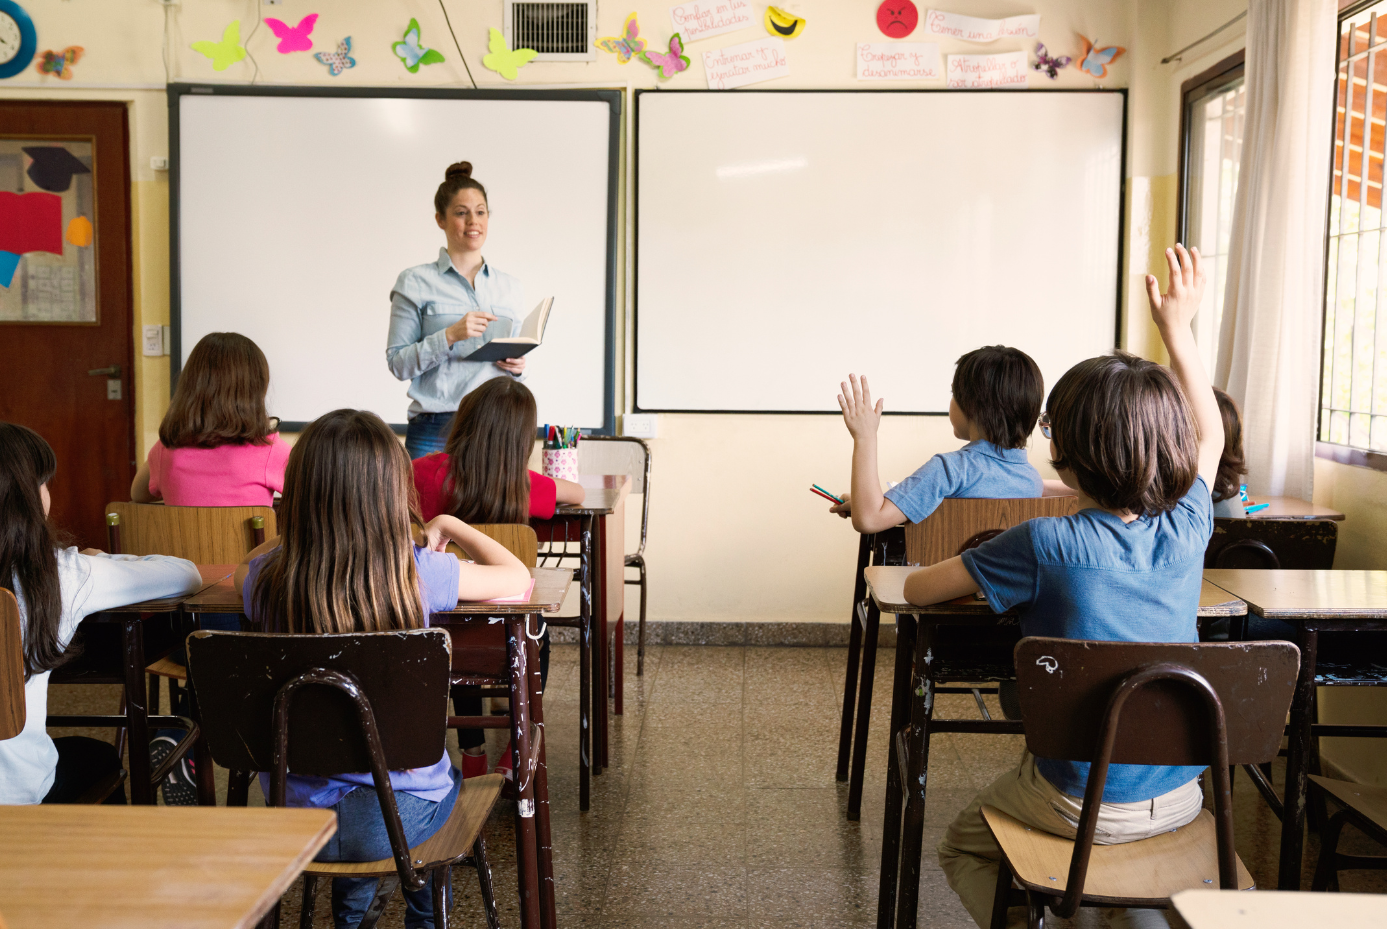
<point x="568" y="491"/>
<point x="1173" y="314"/>
<point x="139" y="487"/>
<point x="239" y="576"/>
<point x="939" y="582"/>
<point x="496" y="573"/>
<point x="871" y="511"/>
<point x="1054" y="488"/>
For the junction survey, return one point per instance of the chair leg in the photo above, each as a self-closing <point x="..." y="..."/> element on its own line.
<point x="849" y="696"/>
<point x="237" y="788"/>
<point x="1327" y="871"/>
<point x="310" y="890"/>
<point x="1035" y="916"/>
<point x="442" y="877"/>
<point x="271" y="919"/>
<point x="864" y="712"/>
<point x="154" y="695"/>
<point x="384" y="889"/>
<point x="493" y="919"/>
<point x="1001" y="895"/>
<point x="640" y="628"/>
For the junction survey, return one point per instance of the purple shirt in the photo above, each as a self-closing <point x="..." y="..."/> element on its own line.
<point x="438" y="591"/>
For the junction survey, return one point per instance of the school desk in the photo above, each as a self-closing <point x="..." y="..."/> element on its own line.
<point x="119" y="866"/>
<point x="1314" y="602"/>
<point x="1272" y="909"/>
<point x="1292" y="508"/>
<point x="967" y="622"/>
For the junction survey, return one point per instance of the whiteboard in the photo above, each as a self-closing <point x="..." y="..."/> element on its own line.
<point x="295" y="210"/>
<point x="786" y="239"/>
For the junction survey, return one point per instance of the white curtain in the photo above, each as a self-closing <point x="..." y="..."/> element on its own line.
<point x="1269" y="345"/>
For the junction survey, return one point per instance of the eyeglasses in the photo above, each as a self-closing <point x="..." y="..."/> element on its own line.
<point x="1045" y="425"/>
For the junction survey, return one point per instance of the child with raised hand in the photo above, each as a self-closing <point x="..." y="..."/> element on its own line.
<point x="996" y="398"/>
<point x="1127" y="567"/>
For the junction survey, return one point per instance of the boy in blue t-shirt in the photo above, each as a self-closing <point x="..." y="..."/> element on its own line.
<point x="996" y="399"/>
<point x="1141" y="447"/>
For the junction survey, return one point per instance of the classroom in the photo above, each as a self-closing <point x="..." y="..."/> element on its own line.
<point x="693" y="465"/>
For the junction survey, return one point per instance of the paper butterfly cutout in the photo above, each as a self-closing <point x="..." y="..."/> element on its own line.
<point x="225" y="53"/>
<point x="60" y="64"/>
<point x="340" y="60"/>
<point x="1047" y="63"/>
<point x="668" y="64"/>
<point x="1094" y="61"/>
<point x="411" y="53"/>
<point x="627" y="45"/>
<point x="292" y="38"/>
<point x="502" y="60"/>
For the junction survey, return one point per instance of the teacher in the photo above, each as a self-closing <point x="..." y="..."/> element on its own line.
<point x="443" y="311"/>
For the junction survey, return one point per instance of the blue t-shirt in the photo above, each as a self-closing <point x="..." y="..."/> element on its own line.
<point x="978" y="470"/>
<point x="1092" y="576"/>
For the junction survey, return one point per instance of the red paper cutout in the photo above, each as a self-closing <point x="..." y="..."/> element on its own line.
<point x="31" y="223"/>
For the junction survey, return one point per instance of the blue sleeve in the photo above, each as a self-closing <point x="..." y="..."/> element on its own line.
<point x="438" y="579"/>
<point x="919" y="495"/>
<point x="1006" y="568"/>
<point x="408" y="352"/>
<point x="1198" y="507"/>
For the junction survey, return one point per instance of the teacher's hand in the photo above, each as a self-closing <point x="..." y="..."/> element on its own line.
<point x="514" y="366"/>
<point x="469" y="327"/>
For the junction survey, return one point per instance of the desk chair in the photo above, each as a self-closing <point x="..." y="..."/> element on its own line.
<point x="1365" y="807"/>
<point x="1215" y="704"/>
<point x="362" y="701"/>
<point x="1293" y="544"/>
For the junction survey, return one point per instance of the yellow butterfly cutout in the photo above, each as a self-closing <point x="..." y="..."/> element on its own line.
<point x="227" y="52"/>
<point x="504" y="61"/>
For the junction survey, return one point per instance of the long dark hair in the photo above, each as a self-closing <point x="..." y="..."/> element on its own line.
<point x="489" y="453"/>
<point x="220" y="397"/>
<point x="28" y="557"/>
<point x="345" y="562"/>
<point x="1232" y="466"/>
<point x="457" y="176"/>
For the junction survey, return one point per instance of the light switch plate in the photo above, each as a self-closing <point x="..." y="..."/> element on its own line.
<point x="153" y="340"/>
<point x="112" y="388"/>
<point x="168" y="339"/>
<point x="159" y="163"/>
<point x="640" y="425"/>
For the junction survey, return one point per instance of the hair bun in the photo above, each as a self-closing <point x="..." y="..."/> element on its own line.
<point x="458" y="169"/>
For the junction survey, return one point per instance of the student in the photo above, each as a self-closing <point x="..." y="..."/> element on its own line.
<point x="217" y="446"/>
<point x="996" y="399"/>
<point x="1232" y="467"/>
<point x="1127" y="567"/>
<point x="56" y="589"/>
<point x="364" y="573"/>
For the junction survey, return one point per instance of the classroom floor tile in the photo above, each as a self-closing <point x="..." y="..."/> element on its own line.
<point x="720" y="810"/>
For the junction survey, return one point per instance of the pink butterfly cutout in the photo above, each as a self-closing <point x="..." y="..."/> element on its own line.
<point x="669" y="64"/>
<point x="293" y="38"/>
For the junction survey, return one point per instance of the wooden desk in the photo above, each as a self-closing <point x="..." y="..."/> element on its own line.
<point x="1292" y="508"/>
<point x="1314" y="602"/>
<point x="912" y="719"/>
<point x="1271" y="909"/>
<point x="116" y="867"/>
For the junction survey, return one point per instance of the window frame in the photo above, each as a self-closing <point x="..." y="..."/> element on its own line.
<point x="1225" y="71"/>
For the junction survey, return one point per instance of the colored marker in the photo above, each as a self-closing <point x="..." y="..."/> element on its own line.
<point x="1253" y="509"/>
<point x="815" y="488"/>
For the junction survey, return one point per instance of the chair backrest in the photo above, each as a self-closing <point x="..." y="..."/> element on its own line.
<point x="615" y="454"/>
<point x="201" y="534"/>
<point x="1289" y="544"/>
<point x="12" y="707"/>
<point x="520" y="540"/>
<point x="956" y="523"/>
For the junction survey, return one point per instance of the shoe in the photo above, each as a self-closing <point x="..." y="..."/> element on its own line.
<point x="473" y="765"/>
<point x="505" y="766"/>
<point x="180" y="786"/>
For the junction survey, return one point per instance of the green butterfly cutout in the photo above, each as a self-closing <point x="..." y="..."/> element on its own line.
<point x="504" y="61"/>
<point x="411" y="53"/>
<point x="228" y="51"/>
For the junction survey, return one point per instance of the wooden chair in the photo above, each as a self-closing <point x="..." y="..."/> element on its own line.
<point x="518" y="539"/>
<point x="609" y="454"/>
<point x="1214" y="704"/>
<point x="1292" y="544"/>
<point x="327" y="704"/>
<point x="954" y="527"/>
<point x="1363" y="805"/>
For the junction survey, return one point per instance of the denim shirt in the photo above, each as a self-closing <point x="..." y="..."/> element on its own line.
<point x="425" y="301"/>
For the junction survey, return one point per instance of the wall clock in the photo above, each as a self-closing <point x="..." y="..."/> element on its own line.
<point x="18" y="40"/>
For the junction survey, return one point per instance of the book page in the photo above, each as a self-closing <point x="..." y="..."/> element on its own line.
<point x="533" y="327"/>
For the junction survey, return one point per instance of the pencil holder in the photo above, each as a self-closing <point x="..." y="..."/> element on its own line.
<point x="561" y="463"/>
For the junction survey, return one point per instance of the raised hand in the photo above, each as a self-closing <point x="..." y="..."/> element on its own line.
<point x="1175" y="308"/>
<point x="855" y="401"/>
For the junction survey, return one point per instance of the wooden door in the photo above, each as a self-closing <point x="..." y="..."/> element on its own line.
<point x="65" y="299"/>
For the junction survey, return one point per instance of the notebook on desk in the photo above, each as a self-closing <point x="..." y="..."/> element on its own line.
<point x="518" y="598"/>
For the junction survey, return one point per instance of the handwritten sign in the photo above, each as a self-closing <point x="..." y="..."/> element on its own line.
<point x="748" y="63"/>
<point x="699" y="19"/>
<point x="973" y="29"/>
<point x="898" y="61"/>
<point x="982" y="71"/>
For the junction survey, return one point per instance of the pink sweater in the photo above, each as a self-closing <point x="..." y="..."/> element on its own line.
<point x="229" y="475"/>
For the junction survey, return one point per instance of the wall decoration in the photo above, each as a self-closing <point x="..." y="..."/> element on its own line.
<point x="699" y="19"/>
<point x="748" y="63"/>
<point x="225" y="53"/>
<point x="502" y="60"/>
<point x="411" y="53"/>
<point x="48" y="237"/>
<point x="79" y="232"/>
<point x="51" y="167"/>
<point x="897" y="18"/>
<point x="668" y="63"/>
<point x="8" y="262"/>
<point x="898" y="61"/>
<point x="1094" y="61"/>
<point x="340" y="60"/>
<point x="627" y="45"/>
<point x="987" y="71"/>
<point x="59" y="64"/>
<point x="31" y="222"/>
<point x="785" y="25"/>
<point x="973" y="29"/>
<point x="292" y="38"/>
<point x="1050" y="64"/>
<point x="18" y="39"/>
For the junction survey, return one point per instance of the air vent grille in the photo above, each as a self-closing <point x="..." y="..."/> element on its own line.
<point x="551" y="28"/>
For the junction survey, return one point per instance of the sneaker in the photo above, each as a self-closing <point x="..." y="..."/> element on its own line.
<point x="473" y="765"/>
<point x="505" y="766"/>
<point x="179" y="787"/>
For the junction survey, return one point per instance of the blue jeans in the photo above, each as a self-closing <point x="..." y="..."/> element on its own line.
<point x="361" y="836"/>
<point x="427" y="433"/>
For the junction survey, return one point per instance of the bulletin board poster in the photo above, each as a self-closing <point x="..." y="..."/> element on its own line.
<point x="48" y="234"/>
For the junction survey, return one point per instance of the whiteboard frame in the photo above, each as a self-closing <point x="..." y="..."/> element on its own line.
<point x="636" y="218"/>
<point x="613" y="99"/>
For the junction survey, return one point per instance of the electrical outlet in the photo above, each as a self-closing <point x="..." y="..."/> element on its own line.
<point x="153" y="340"/>
<point x="640" y="425"/>
<point x="158" y="163"/>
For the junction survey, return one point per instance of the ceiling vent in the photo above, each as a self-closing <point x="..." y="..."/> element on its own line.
<point x="558" y="31"/>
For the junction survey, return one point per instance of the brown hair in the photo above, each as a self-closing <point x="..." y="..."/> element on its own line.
<point x="1123" y="427"/>
<point x="457" y="176"/>
<point x="28" y="560"/>
<point x="345" y="562"/>
<point x="1232" y="466"/>
<point x="1000" y="389"/>
<point x="489" y="453"/>
<point x="220" y="397"/>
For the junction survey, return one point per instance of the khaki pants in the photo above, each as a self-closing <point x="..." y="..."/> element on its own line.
<point x="969" y="855"/>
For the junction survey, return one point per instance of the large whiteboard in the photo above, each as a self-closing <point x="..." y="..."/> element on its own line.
<point x="295" y="210"/>
<point x="788" y="238"/>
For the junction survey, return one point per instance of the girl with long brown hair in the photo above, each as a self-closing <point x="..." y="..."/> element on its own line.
<point x="1232" y="467"/>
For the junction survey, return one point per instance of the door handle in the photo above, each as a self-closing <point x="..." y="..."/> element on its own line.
<point x="108" y="371"/>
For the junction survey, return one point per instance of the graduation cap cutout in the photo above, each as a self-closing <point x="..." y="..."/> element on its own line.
<point x="54" y="167"/>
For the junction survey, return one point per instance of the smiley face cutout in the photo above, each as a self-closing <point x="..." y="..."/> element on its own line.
<point x="783" y="24"/>
<point x="897" y="18"/>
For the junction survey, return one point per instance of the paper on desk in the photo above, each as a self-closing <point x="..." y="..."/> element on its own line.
<point x="518" y="598"/>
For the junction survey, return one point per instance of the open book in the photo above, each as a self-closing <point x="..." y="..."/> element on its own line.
<point x="531" y="335"/>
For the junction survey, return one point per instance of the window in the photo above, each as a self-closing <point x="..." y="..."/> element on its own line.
<point x="1211" y="134"/>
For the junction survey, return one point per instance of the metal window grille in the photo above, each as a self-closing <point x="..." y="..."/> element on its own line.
<point x="558" y="31"/>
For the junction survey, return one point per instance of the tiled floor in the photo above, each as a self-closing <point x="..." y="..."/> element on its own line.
<point x="720" y="810"/>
